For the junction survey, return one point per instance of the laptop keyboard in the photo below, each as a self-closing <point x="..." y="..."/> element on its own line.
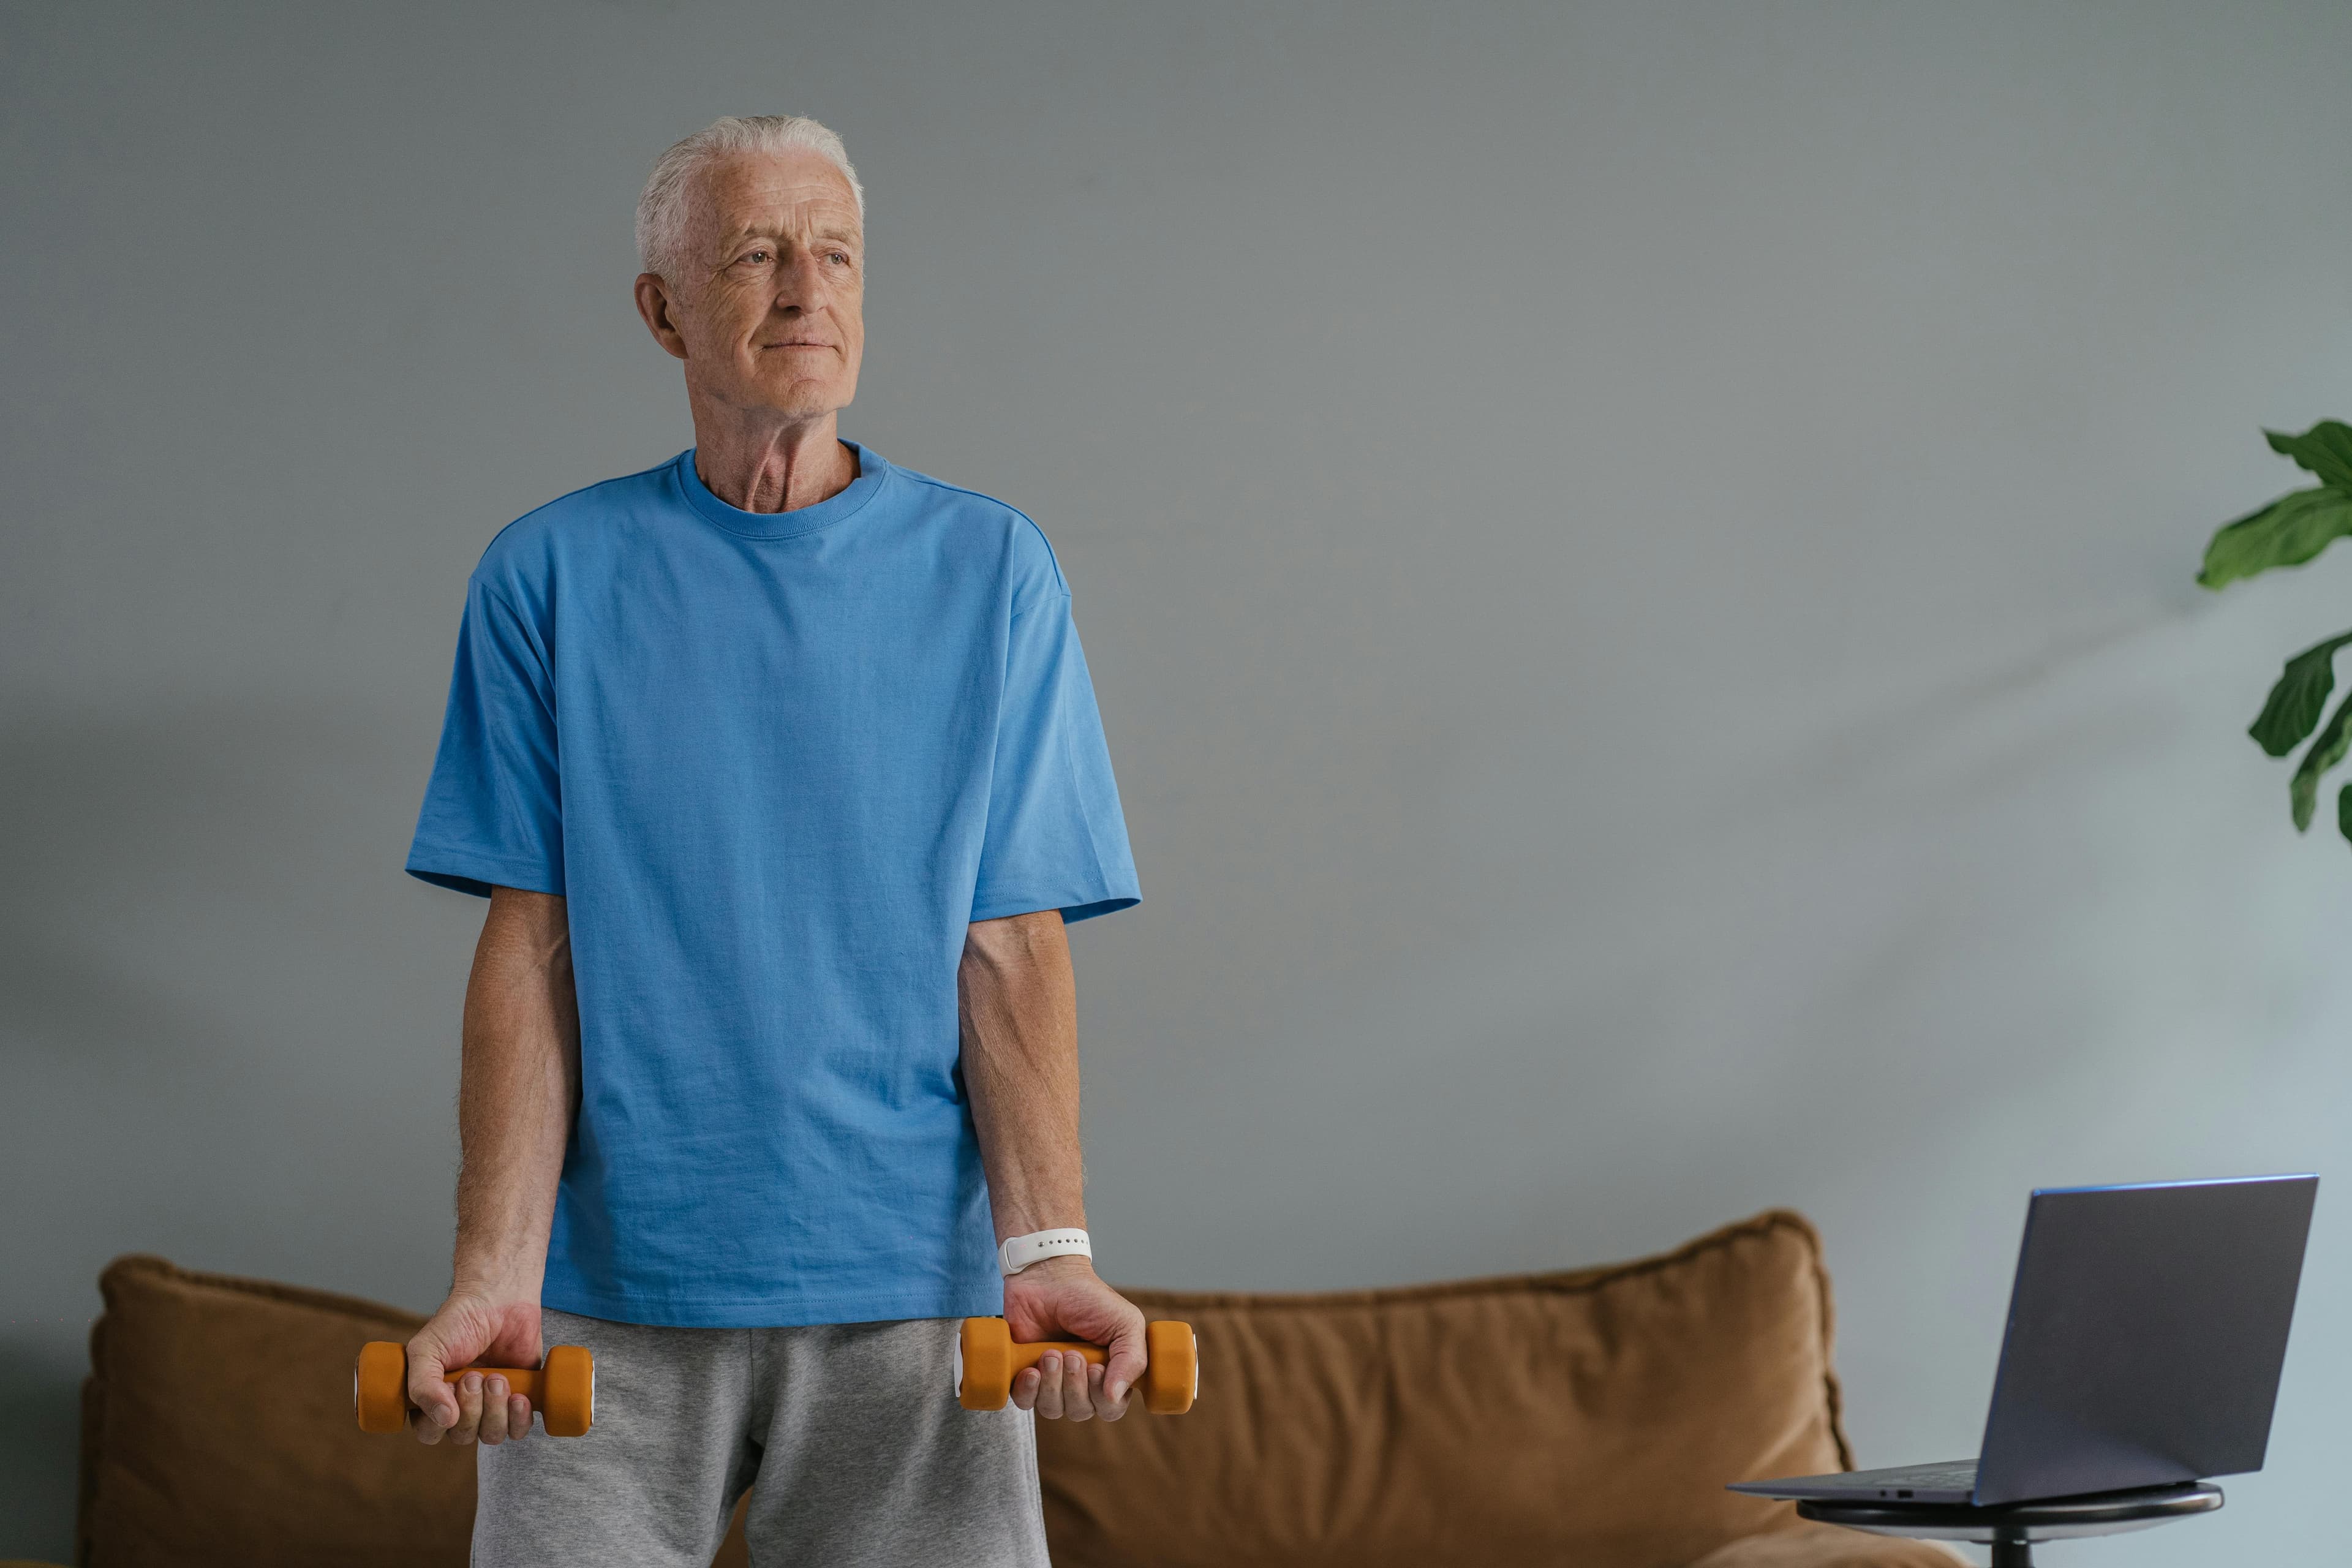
<point x="1952" y="1475"/>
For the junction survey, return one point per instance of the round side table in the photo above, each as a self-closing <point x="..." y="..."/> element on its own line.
<point x="2012" y="1529"/>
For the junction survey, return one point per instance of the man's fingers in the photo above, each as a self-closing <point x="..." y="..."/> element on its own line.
<point x="1049" y="1387"/>
<point x="428" y="1392"/>
<point x="1074" y="1406"/>
<point x="426" y="1388"/>
<point x="517" y="1417"/>
<point x="1107" y="1407"/>
<point x="1098" y="1381"/>
<point x="494" y="1395"/>
<point x="1078" y="1388"/>
<point x="1125" y="1361"/>
<point x="469" y="1408"/>
<point x="1025" y="1384"/>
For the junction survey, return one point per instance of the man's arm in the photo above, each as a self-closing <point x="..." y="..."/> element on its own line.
<point x="1019" y="1006"/>
<point x="517" y="1092"/>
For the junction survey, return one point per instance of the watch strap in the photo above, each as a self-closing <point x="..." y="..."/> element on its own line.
<point x="1018" y="1252"/>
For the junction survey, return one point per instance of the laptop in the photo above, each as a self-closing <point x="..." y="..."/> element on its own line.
<point x="2146" y="1330"/>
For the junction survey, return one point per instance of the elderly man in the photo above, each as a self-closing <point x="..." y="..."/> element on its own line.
<point x="781" y="768"/>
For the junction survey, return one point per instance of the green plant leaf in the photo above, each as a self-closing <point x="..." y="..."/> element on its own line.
<point x="2324" y="451"/>
<point x="2287" y="533"/>
<point x="2295" y="701"/>
<point x="2344" y="812"/>
<point x="2335" y="739"/>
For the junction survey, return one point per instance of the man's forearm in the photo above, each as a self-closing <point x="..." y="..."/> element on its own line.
<point x="1019" y="1006"/>
<point x="518" y="1092"/>
<point x="1020" y="1067"/>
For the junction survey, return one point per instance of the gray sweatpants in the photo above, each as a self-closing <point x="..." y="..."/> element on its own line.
<point x="861" y="1455"/>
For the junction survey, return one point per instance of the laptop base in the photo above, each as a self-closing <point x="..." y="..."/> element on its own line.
<point x="1951" y="1481"/>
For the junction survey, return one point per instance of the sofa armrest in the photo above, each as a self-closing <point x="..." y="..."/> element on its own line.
<point x="1829" y="1546"/>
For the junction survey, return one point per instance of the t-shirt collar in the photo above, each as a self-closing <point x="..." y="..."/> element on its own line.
<point x="871" y="472"/>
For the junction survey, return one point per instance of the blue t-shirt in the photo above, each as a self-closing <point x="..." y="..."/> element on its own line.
<point x="775" y="762"/>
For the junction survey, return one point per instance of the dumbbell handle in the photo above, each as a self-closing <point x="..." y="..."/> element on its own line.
<point x="522" y="1380"/>
<point x="1028" y="1355"/>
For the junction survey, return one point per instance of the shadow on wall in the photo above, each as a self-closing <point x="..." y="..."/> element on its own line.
<point x="40" y="1424"/>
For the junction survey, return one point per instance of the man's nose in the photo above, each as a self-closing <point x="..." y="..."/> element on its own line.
<point x="799" y="280"/>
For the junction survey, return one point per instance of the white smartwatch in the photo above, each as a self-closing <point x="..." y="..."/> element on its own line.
<point x="1018" y="1252"/>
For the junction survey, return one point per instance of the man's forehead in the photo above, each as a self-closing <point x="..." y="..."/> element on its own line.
<point x="754" y="190"/>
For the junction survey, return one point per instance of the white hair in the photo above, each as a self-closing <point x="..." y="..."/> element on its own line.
<point x="661" y="207"/>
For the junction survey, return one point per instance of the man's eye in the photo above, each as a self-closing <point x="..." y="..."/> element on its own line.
<point x="759" y="256"/>
<point x="841" y="258"/>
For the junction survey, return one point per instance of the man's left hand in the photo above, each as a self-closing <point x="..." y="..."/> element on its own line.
<point x="1062" y="1299"/>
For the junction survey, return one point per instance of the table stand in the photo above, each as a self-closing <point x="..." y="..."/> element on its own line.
<point x="2012" y="1529"/>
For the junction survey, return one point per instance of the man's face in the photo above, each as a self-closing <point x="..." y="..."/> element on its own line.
<point x="768" y="311"/>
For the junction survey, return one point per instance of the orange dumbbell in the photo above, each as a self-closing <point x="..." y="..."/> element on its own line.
<point x="564" y="1391"/>
<point x="986" y="1360"/>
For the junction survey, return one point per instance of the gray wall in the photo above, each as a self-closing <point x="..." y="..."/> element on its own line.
<point x="1637" y="560"/>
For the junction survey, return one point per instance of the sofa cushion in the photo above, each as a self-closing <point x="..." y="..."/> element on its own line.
<point x="1827" y="1546"/>
<point x="1592" y="1416"/>
<point x="219" y="1430"/>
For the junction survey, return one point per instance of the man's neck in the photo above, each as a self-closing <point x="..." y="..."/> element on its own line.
<point x="758" y="464"/>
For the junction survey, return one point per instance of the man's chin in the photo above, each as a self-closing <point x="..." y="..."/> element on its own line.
<point x="800" y="402"/>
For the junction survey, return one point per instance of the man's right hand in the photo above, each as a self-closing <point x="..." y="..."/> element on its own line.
<point x="472" y="1326"/>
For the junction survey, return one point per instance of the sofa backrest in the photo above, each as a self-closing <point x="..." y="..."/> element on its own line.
<point x="1578" y="1417"/>
<point x="217" y="1428"/>
<point x="1592" y="1416"/>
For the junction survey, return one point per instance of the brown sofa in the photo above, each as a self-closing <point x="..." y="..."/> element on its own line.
<point x="1577" y="1418"/>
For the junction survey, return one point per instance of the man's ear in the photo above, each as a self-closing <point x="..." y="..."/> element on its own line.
<point x="653" y="310"/>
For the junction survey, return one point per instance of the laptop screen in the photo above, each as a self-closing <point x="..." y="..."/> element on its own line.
<point x="2146" y="1333"/>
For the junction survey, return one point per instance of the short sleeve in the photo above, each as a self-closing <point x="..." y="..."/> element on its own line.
<point x="493" y="813"/>
<point x="1056" y="839"/>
